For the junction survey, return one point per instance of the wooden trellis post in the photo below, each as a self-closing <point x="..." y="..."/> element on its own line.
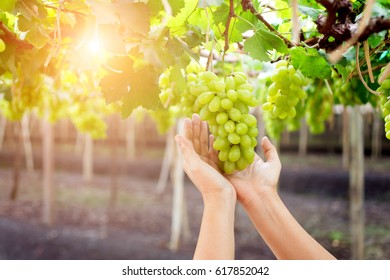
<point x="48" y="172"/>
<point x="356" y="184"/>
<point x="180" y="220"/>
<point x="27" y="144"/>
<point x="88" y="159"/>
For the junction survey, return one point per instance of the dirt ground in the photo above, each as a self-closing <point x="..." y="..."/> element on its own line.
<point x="139" y="226"/>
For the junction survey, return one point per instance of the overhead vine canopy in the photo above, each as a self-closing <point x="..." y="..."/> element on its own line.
<point x="54" y="53"/>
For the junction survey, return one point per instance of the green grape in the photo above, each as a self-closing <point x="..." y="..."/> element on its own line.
<point x="248" y="154"/>
<point x="230" y="83"/>
<point x="221" y="143"/>
<point x="222" y="118"/>
<point x="232" y="95"/>
<point x="234" y="114"/>
<point x="241" y="163"/>
<point x="222" y="131"/>
<point x="226" y="104"/>
<point x="241" y="128"/>
<point x="234" y="153"/>
<point x="215" y="104"/>
<point x="245" y="141"/>
<point x="230" y="126"/>
<point x="223" y="155"/>
<point x="206" y="97"/>
<point x="234" y="138"/>
<point x="229" y="167"/>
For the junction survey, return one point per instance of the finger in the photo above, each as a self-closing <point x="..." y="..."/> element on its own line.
<point x="187" y="149"/>
<point x="188" y="133"/>
<point x="196" y="132"/>
<point x="204" y="139"/>
<point x="271" y="155"/>
<point x="213" y="154"/>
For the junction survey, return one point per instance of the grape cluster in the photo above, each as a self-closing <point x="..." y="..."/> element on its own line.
<point x="224" y="103"/>
<point x="2" y="46"/>
<point x="385" y="104"/>
<point x="285" y="92"/>
<point x="318" y="108"/>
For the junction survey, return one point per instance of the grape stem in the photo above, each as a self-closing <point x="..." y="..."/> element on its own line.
<point x="360" y="73"/>
<point x="229" y="20"/>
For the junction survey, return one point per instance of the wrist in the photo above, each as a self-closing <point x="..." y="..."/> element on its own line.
<point x="220" y="198"/>
<point x="260" y="197"/>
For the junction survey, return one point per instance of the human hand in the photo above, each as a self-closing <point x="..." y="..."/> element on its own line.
<point x="258" y="179"/>
<point x="200" y="160"/>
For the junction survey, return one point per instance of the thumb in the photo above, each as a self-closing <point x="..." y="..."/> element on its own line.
<point x="271" y="155"/>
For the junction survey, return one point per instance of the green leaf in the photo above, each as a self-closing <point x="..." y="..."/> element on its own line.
<point x="310" y="63"/>
<point x="144" y="91"/>
<point x="134" y="17"/>
<point x="133" y="88"/>
<point x="8" y="5"/>
<point x="262" y="43"/>
<point x="178" y="24"/>
<point x="103" y="12"/>
<point x="221" y="14"/>
<point x="115" y="85"/>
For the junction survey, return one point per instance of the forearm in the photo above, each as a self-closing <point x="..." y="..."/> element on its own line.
<point x="279" y="229"/>
<point x="216" y="237"/>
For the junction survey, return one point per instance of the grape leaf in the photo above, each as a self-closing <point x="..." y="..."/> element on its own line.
<point x="103" y="12"/>
<point x="134" y="17"/>
<point x="221" y="14"/>
<point x="262" y="43"/>
<point x="8" y="5"/>
<point x="178" y="24"/>
<point x="115" y="85"/>
<point x="144" y="91"/>
<point x="133" y="87"/>
<point x="310" y="63"/>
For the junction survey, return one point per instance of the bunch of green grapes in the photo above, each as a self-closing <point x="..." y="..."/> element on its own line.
<point x="164" y="118"/>
<point x="285" y="92"/>
<point x="385" y="104"/>
<point x="224" y="103"/>
<point x="167" y="94"/>
<point x="319" y="108"/>
<point x="345" y="93"/>
<point x="87" y="117"/>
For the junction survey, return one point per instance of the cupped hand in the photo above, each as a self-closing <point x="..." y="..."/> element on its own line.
<point x="260" y="178"/>
<point x="200" y="159"/>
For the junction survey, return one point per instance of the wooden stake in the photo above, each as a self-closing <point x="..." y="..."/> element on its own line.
<point x="356" y="185"/>
<point x="88" y="159"/>
<point x="167" y="161"/>
<point x="3" y="124"/>
<point x="178" y="197"/>
<point x="27" y="144"/>
<point x="48" y="169"/>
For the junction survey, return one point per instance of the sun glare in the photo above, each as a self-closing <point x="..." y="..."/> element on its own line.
<point x="95" y="46"/>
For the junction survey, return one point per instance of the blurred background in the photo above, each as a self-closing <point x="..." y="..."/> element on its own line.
<point x="126" y="197"/>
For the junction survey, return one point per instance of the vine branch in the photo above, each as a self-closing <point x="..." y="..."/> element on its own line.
<point x="12" y="37"/>
<point x="247" y="5"/>
<point x="229" y="20"/>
